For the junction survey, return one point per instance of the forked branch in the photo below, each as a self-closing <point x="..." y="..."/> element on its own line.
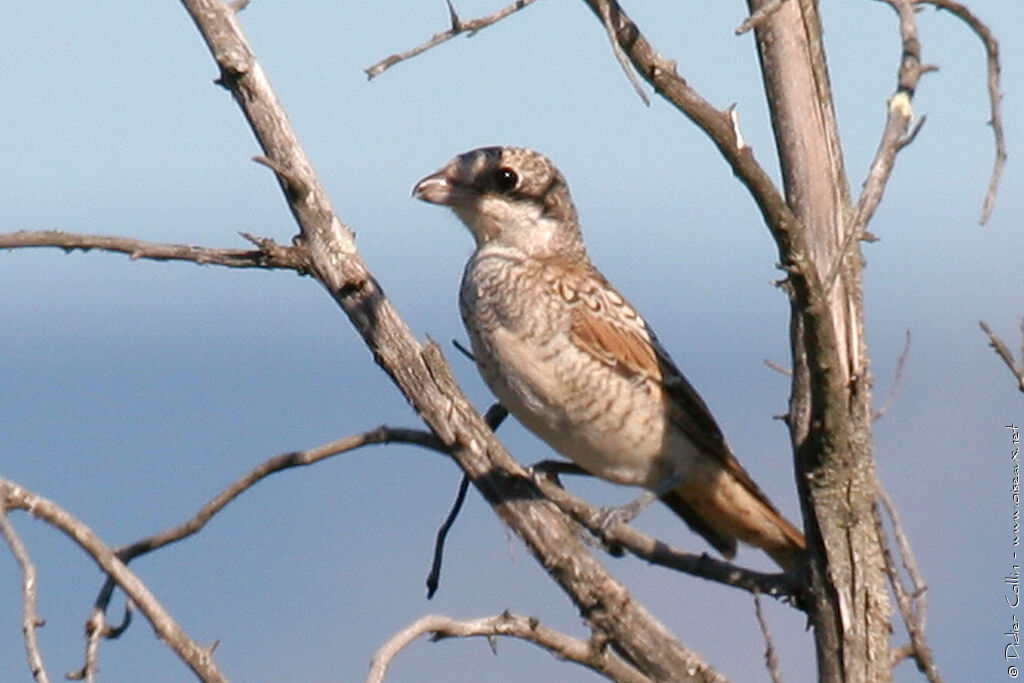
<point x="458" y="27"/>
<point x="198" y="658"/>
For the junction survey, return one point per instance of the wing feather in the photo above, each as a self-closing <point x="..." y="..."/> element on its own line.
<point x="608" y="329"/>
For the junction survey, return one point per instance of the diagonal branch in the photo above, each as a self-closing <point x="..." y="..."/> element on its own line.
<point x="1004" y="353"/>
<point x="30" y="620"/>
<point x="424" y="377"/>
<point x="620" y="55"/>
<point x="621" y="535"/>
<point x="268" y="255"/>
<point x="198" y="658"/>
<point x="994" y="95"/>
<point x="913" y="607"/>
<point x="719" y="125"/>
<point x="897" y="122"/>
<point x="771" y="660"/>
<point x="458" y="27"/>
<point x="586" y="653"/>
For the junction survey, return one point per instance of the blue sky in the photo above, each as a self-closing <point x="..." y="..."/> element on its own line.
<point x="131" y="392"/>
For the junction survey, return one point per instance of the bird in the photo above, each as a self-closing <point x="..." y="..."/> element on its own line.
<point x="573" y="361"/>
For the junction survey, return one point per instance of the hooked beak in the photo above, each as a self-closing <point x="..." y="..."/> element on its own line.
<point x="435" y="188"/>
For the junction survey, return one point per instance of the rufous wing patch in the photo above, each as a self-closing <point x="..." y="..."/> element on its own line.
<point x="617" y="346"/>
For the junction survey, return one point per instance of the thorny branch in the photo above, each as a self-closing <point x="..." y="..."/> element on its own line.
<point x="590" y="653"/>
<point x="661" y="74"/>
<point x="268" y="254"/>
<point x="1004" y="353"/>
<point x="458" y="26"/>
<point x="30" y="619"/>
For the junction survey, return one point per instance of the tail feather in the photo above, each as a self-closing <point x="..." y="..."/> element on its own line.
<point x="724" y="510"/>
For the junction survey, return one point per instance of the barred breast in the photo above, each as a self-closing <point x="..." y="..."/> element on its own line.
<point x="518" y="313"/>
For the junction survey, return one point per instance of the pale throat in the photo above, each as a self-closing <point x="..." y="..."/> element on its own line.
<point x="515" y="224"/>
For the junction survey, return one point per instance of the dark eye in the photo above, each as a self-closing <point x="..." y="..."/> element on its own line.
<point x="505" y="179"/>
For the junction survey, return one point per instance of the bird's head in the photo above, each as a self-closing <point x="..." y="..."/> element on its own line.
<point x="511" y="196"/>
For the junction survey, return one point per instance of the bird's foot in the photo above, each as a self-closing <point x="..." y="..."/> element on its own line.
<point x="625" y="514"/>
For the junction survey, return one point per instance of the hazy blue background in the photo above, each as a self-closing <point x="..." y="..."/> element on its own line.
<point x="131" y="392"/>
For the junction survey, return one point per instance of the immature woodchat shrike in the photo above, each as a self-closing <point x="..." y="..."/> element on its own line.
<point x="569" y="357"/>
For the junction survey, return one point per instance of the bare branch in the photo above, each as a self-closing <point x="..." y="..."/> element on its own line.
<point x="717" y="124"/>
<point x="913" y="606"/>
<point x="781" y="369"/>
<point x="658" y="552"/>
<point x="380" y="435"/>
<point x="423" y="375"/>
<point x="457" y="27"/>
<point x="897" y="381"/>
<point x="586" y="653"/>
<point x="611" y="27"/>
<point x="30" y="619"/>
<point x="198" y="658"/>
<point x="770" y="660"/>
<point x="901" y="112"/>
<point x="1003" y="352"/>
<point x="994" y="95"/>
<point x="269" y="254"/>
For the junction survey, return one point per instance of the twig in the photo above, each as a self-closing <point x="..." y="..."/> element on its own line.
<point x="781" y="369"/>
<point x="897" y="123"/>
<point x="759" y="17"/>
<point x="457" y="27"/>
<point x="770" y="659"/>
<point x="897" y="381"/>
<point x="587" y="653"/>
<point x="612" y="27"/>
<point x="30" y="620"/>
<point x="913" y="607"/>
<point x="269" y="255"/>
<point x="994" y="95"/>
<point x="198" y="658"/>
<point x="97" y="626"/>
<point x="1003" y="352"/>
<point x="658" y="552"/>
<point x="380" y="435"/>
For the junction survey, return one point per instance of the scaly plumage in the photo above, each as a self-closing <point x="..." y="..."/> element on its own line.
<point x="574" y="362"/>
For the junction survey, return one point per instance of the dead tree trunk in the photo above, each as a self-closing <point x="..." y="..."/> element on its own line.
<point x="830" y="402"/>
